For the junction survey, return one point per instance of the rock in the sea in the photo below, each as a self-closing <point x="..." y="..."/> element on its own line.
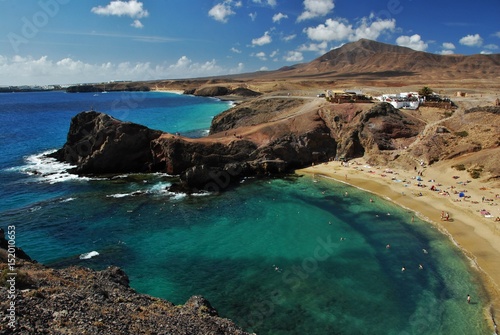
<point x="98" y="143"/>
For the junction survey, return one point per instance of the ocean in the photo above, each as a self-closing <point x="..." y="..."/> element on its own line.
<point x="291" y="255"/>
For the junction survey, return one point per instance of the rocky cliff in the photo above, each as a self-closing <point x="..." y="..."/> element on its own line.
<point x="97" y="144"/>
<point x="262" y="136"/>
<point x="78" y="300"/>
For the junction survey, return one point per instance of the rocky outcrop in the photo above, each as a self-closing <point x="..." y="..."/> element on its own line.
<point x="259" y="137"/>
<point x="98" y="143"/>
<point x="110" y="87"/>
<point x="219" y="91"/>
<point x="370" y="128"/>
<point x="78" y="300"/>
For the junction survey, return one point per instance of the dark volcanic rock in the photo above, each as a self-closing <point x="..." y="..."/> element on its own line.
<point x="98" y="143"/>
<point x="4" y="245"/>
<point x="78" y="300"/>
<point x="211" y="91"/>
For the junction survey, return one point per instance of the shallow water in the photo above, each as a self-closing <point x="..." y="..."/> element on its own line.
<point x="278" y="256"/>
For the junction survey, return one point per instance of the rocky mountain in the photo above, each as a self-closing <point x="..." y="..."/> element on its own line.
<point x="371" y="59"/>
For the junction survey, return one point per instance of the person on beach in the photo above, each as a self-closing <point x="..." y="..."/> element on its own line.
<point x="468" y="298"/>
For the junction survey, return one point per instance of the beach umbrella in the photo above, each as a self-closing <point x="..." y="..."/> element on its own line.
<point x="461" y="194"/>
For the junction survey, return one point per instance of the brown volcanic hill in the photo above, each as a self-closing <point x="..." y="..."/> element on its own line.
<point x="371" y="59"/>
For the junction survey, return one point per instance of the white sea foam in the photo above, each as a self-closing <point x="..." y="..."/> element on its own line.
<point x="47" y="169"/>
<point x="89" y="255"/>
<point x="35" y="208"/>
<point x="160" y="188"/>
<point x="67" y="199"/>
<point x="119" y="195"/>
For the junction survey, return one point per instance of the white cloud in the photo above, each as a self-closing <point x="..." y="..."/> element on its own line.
<point x="449" y="46"/>
<point x="238" y="69"/>
<point x="265" y="39"/>
<point x="373" y="30"/>
<point x="222" y="11"/>
<point x="446" y="52"/>
<point x="491" y="46"/>
<point x="236" y="51"/>
<point x="274" y="53"/>
<point x="332" y="30"/>
<point x="471" y="40"/>
<point x="253" y="16"/>
<point x="294" y="56"/>
<point x="341" y="30"/>
<point x="320" y="48"/>
<point x="414" y="42"/>
<point x="497" y="34"/>
<point x="271" y="3"/>
<point x="278" y="17"/>
<point x="289" y="37"/>
<point x="316" y="8"/>
<point x="132" y="8"/>
<point x="261" y="55"/>
<point x="137" y="24"/>
<point x="20" y="70"/>
<point x="486" y="52"/>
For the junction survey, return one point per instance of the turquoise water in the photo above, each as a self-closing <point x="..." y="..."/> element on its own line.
<point x="278" y="256"/>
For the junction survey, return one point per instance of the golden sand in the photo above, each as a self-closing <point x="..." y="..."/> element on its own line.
<point x="476" y="234"/>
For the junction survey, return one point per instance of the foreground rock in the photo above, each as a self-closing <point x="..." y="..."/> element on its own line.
<point x="78" y="300"/>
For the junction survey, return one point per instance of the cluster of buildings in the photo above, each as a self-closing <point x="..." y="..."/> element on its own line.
<point x="403" y="100"/>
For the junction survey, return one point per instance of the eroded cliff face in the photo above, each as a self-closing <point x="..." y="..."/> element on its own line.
<point x="259" y="137"/>
<point x="370" y="128"/>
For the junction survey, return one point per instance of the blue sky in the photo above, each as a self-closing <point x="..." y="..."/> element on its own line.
<point x="76" y="41"/>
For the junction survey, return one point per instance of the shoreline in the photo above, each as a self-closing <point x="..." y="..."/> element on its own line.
<point x="477" y="237"/>
<point x="180" y="92"/>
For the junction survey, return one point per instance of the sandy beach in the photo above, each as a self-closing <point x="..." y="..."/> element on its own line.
<point x="172" y="91"/>
<point x="472" y="221"/>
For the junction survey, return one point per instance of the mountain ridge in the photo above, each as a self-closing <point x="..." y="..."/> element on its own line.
<point x="367" y="58"/>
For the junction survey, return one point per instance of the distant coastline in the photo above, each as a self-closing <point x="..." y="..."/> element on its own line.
<point x="20" y="89"/>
